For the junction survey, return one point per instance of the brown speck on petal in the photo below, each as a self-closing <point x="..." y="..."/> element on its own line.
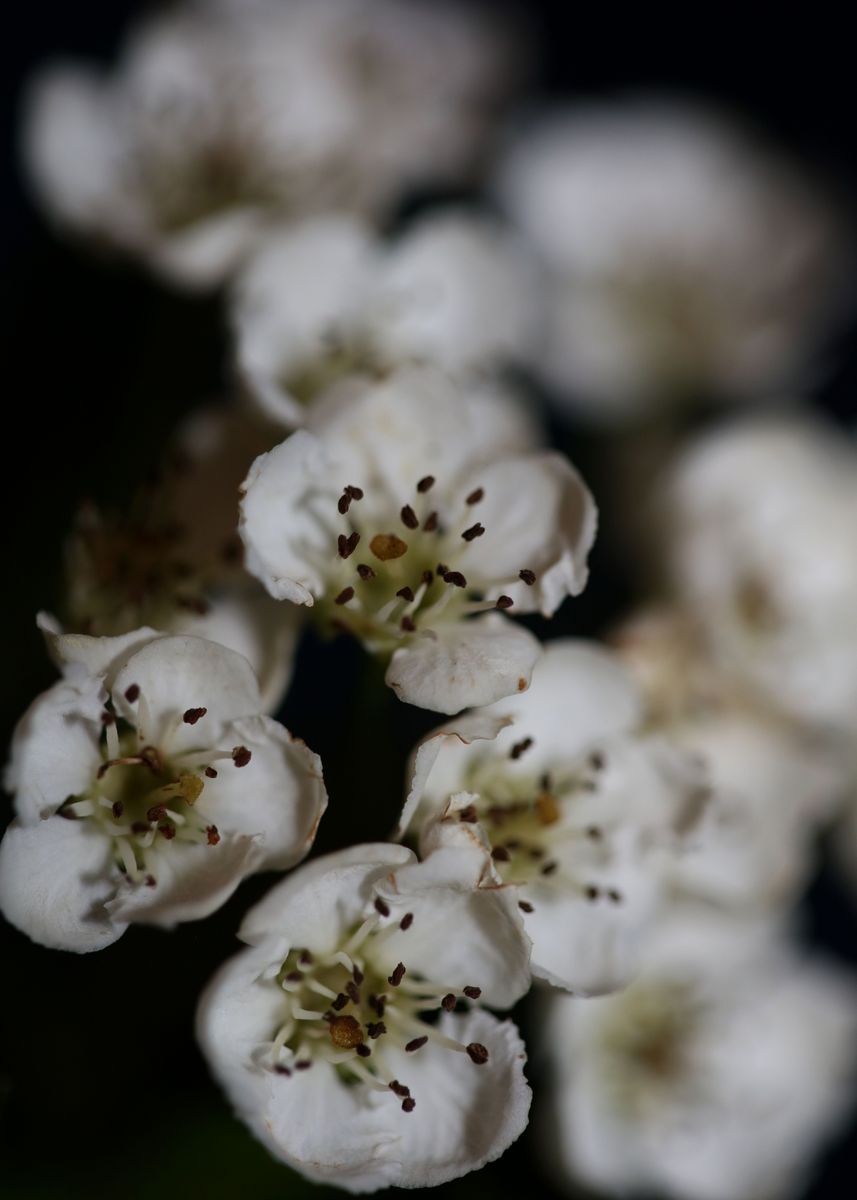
<point x="192" y="715"/>
<point x="386" y="546"/>
<point x="241" y="756"/>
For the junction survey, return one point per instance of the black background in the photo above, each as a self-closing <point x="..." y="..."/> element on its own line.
<point x="101" y="1088"/>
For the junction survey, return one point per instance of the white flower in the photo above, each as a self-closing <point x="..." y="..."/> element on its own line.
<point x="173" y="560"/>
<point x="147" y="785"/>
<point x="327" y="299"/>
<point x="406" y="507"/>
<point x="316" y="1031"/>
<point x="760" y="537"/>
<point x="687" y="259"/>
<point x="581" y="810"/>
<point x="223" y="117"/>
<point x="717" y="1075"/>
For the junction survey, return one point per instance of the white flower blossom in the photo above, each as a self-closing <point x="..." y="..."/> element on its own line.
<point x="326" y="299"/>
<point x="687" y="260"/>
<point x="224" y="117"/>
<point x="579" y="808"/>
<point x="759" y="535"/>
<point x="147" y="785"/>
<point x="717" y="1075"/>
<point x="404" y="508"/>
<point x="316" y="1032"/>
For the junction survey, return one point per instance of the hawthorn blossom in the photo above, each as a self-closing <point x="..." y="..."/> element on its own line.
<point x="687" y="260"/>
<point x="147" y="785"/>
<point x="717" y="1075"/>
<point x="326" y="299"/>
<point x="224" y="117"/>
<point x="581" y="810"/>
<point x="317" y="1033"/>
<point x="759" y="537"/>
<point x="402" y="511"/>
<point x="173" y="560"/>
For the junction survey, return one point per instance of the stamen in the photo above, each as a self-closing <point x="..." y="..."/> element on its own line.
<point x="210" y="773"/>
<point x="431" y="522"/>
<point x="375" y="1029"/>
<point x="398" y="975"/>
<point x="416" y="1044"/>
<point x="428" y="577"/>
<point x="591" y="892"/>
<point x="365" y="572"/>
<point x="344" y="596"/>
<point x="525" y="906"/>
<point x="344" y="503"/>
<point x="241" y="756"/>
<point x="468" y="815"/>
<point x="382" y="907"/>
<point x="405" y="593"/>
<point x="455" y="578"/>
<point x="426" y="483"/>
<point x="212" y="834"/>
<point x="117" y="808"/>
<point x="399" y="1088"/>
<point x="192" y="715"/>
<point x="406" y="921"/>
<point x="504" y="602"/>
<point x="528" y="576"/>
<point x="474" y="531"/>
<point x="363" y="1050"/>
<point x="477" y="1052"/>
<point x="475" y="496"/>
<point x="520" y="748"/>
<point x="409" y="1104"/>
<point x="132" y="693"/>
<point x="355" y="493"/>
<point x="407" y="625"/>
<point x="409" y="517"/>
<point x="472" y="993"/>
<point x="448" y="1002"/>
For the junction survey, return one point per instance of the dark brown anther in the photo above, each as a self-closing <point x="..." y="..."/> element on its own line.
<point x="415" y="1044"/>
<point x="386" y="546"/>
<point x="442" y="569"/>
<point x="139" y="827"/>
<point x="591" y="893"/>
<point x="282" y="1069"/>
<point x="430" y="523"/>
<point x="191" y="715"/>
<point x="375" y="1029"/>
<point x="377" y="1003"/>
<point x="365" y="572"/>
<point x="448" y="1002"/>
<point x="614" y="896"/>
<point x="344" y="596"/>
<point x="455" y="578"/>
<point x="151" y="756"/>
<point x="345" y="1032"/>
<point x="306" y="958"/>
<point x="398" y="1089"/>
<point x="549" y="868"/>
<point x="468" y="815"/>
<point x="594" y="833"/>
<point x="382" y="907"/>
<point x="520" y="748"/>
<point x="344" y="503"/>
<point x="108" y="718"/>
<point x="117" y="809"/>
<point x="500" y="854"/>
<point x="340" y="1002"/>
<point x="406" y="921"/>
<point x="405" y="593"/>
<point x="363" y="1050"/>
<point x="428" y="577"/>
<point x="167" y="831"/>
<point x="213" y="834"/>
<point x="409" y="1104"/>
<point x="474" y="531"/>
<point x="409" y="517"/>
<point x="352" y="991"/>
<point x="241" y="756"/>
<point x="504" y="602"/>
<point x="303" y="1065"/>
<point x="407" y="625"/>
<point x="478" y="1053"/>
<point x="596" y="760"/>
<point x="356" y="493"/>
<point x="150" y="881"/>
<point x="294" y="976"/>
<point x="210" y="773"/>
<point x="132" y="694"/>
<point x="356" y="974"/>
<point x="529" y="577"/>
<point x="426" y="483"/>
<point x="398" y="975"/>
<point x="475" y="496"/>
<point x="473" y="993"/>
<point x="156" y="812"/>
<point x="525" y="906"/>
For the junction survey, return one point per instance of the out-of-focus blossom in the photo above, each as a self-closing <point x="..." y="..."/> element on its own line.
<point x="147" y="785"/>
<point x="717" y="1075"/>
<point x="581" y="810"/>
<point x="760" y="522"/>
<point x="316" y="1032"/>
<point x="224" y="115"/>
<point x="174" y="560"/>
<point x="327" y="299"/>
<point x="687" y="260"/>
<point x="406" y="508"/>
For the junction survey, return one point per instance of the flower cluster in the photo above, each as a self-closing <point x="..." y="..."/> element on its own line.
<point x="623" y="809"/>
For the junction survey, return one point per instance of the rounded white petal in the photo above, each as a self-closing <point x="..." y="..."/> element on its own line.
<point x="279" y="794"/>
<point x="464" y="665"/>
<point x="98" y="655"/>
<point x="55" y="878"/>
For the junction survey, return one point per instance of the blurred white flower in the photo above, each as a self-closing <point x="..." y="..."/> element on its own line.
<point x="147" y="785"/>
<point x="687" y="260"/>
<point x="327" y="298"/>
<point x="223" y="116"/>
<point x="717" y="1075"/>
<point x="404" y="509"/>
<point x="579" y="808"/>
<point x="316" y="1031"/>
<point x="759" y="533"/>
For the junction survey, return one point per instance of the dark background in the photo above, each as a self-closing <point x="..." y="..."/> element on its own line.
<point x="102" y="1092"/>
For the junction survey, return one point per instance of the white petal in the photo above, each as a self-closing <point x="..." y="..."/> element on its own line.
<point x="466" y="930"/>
<point x="174" y="674"/>
<point x="192" y="881"/>
<point x="55" y="748"/>
<point x="464" y="665"/>
<point x="208" y="251"/>
<point x="538" y="515"/>
<point x="54" y="880"/>
<point x="278" y="496"/>
<point x="279" y="794"/>
<point x="313" y="907"/>
<point x="99" y="655"/>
